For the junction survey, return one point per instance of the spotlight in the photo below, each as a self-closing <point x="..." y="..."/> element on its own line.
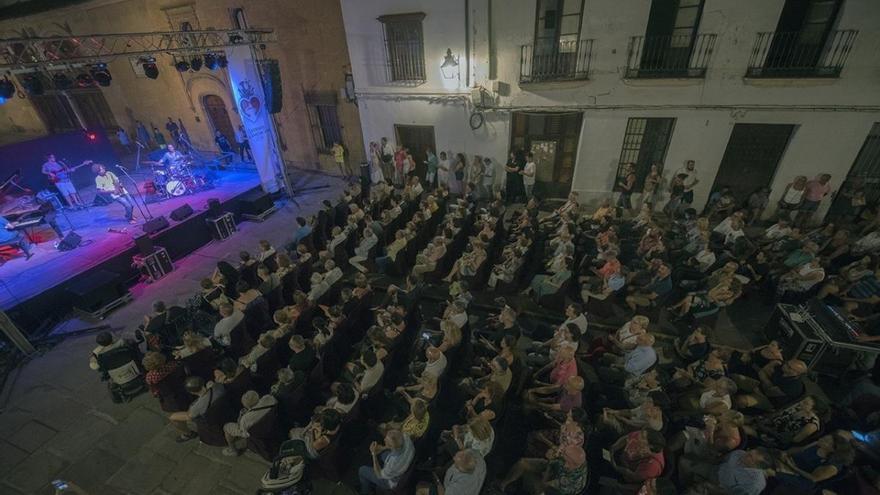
<point x="101" y="74"/>
<point x="85" y="81"/>
<point x="151" y="70"/>
<point x="211" y="61"/>
<point x="61" y="81"/>
<point x="33" y="84"/>
<point x="7" y="89"/>
<point x="222" y="62"/>
<point x="195" y="63"/>
<point x="91" y="136"/>
<point x="235" y="39"/>
<point x="182" y="66"/>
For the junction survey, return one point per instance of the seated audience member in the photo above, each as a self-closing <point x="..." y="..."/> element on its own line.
<point x="390" y="460"/>
<point x="254" y="408"/>
<point x="106" y="343"/>
<point x="266" y="251"/>
<point x="207" y="394"/>
<point x="415" y="424"/>
<point x="632" y="364"/>
<point x="660" y="286"/>
<point x="563" y="472"/>
<point x="638" y="456"/>
<point x="229" y="319"/>
<point x="557" y="398"/>
<point x="464" y="477"/>
<point x="319" y="432"/>
<point x="303" y="354"/>
<point x="805" y="467"/>
<point x="778" y="383"/>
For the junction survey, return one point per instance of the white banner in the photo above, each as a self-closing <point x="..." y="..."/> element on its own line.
<point x="247" y="90"/>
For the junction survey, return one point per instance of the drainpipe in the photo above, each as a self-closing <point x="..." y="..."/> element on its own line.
<point x="467" y="43"/>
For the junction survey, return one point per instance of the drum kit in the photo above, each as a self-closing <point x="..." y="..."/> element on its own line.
<point x="174" y="180"/>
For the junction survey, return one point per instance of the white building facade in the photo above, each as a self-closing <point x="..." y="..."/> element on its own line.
<point x="756" y="92"/>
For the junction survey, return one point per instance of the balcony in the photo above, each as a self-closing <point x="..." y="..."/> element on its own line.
<point x="675" y="56"/>
<point x="800" y="54"/>
<point x="563" y="61"/>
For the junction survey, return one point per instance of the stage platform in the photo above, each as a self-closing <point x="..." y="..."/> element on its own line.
<point x="34" y="288"/>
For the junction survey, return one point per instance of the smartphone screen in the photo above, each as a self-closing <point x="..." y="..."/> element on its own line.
<point x="606" y="455"/>
<point x="59" y="484"/>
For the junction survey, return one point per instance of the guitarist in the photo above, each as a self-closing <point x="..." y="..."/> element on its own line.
<point x="59" y="174"/>
<point x="108" y="184"/>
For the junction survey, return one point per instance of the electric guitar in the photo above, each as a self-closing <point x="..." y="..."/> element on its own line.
<point x="53" y="176"/>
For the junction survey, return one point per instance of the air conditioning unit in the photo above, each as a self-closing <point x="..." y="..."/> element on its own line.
<point x="480" y="98"/>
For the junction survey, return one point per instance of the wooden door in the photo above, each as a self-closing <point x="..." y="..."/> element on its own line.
<point x="752" y="156"/>
<point x="215" y="108"/>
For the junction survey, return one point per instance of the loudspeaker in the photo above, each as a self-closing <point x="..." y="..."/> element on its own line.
<point x="155" y="224"/>
<point x="213" y="206"/>
<point x="181" y="213"/>
<point x="144" y="244"/>
<point x="271" y="84"/>
<point x="70" y="241"/>
<point x="256" y="204"/>
<point x="94" y="290"/>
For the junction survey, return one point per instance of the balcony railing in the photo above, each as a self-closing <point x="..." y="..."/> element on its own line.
<point x="671" y="56"/>
<point x="563" y="61"/>
<point x="800" y="54"/>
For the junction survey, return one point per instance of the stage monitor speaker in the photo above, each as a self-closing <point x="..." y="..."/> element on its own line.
<point x="213" y="206"/>
<point x="144" y="244"/>
<point x="256" y="204"/>
<point x="154" y="225"/>
<point x="94" y="289"/>
<point x="182" y="212"/>
<point x="70" y="241"/>
<point x="271" y="84"/>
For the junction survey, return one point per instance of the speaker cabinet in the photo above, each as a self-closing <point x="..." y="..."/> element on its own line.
<point x="182" y="212"/>
<point x="272" y="85"/>
<point x="155" y="224"/>
<point x="70" y="241"/>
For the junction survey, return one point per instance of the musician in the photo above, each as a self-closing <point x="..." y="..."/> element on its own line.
<point x="9" y="237"/>
<point x="108" y="184"/>
<point x="47" y="210"/>
<point x="59" y="174"/>
<point x="172" y="158"/>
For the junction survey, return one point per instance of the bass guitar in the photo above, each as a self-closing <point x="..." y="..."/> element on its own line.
<point x="53" y="177"/>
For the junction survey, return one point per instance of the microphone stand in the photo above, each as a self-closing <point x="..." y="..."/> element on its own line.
<point x="149" y="214"/>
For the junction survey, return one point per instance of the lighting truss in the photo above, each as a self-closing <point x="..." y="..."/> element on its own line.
<point x="51" y="52"/>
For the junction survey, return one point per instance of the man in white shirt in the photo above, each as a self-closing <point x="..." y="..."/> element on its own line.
<point x="373" y="371"/>
<point x="331" y="275"/>
<point x="241" y="140"/>
<point x="254" y="408"/>
<point x="488" y="181"/>
<point x="690" y="181"/>
<point x="574" y="315"/>
<point x="230" y="318"/>
<point x="362" y="250"/>
<point x="436" y="362"/>
<point x="528" y="172"/>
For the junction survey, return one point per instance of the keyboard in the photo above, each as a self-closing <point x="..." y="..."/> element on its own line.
<point x="23" y="224"/>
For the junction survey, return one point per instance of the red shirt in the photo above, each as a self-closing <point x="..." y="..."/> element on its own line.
<point x="645" y="467"/>
<point x="815" y="190"/>
<point x="154" y="377"/>
<point x="563" y="371"/>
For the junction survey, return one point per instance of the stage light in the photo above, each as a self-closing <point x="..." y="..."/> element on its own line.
<point x="195" y="63"/>
<point x="33" y="84"/>
<point x="85" y="81"/>
<point x="222" y="62"/>
<point x="151" y="70"/>
<point x="235" y="39"/>
<point x="182" y="66"/>
<point x="7" y="89"/>
<point x="101" y="74"/>
<point x="91" y="136"/>
<point x="211" y="62"/>
<point x="61" y="81"/>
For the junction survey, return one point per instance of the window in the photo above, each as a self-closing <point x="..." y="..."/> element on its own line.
<point x="59" y="111"/>
<point x="323" y="120"/>
<point x="645" y="142"/>
<point x="558" y="25"/>
<point x="55" y="111"/>
<point x="93" y="108"/>
<point x="405" y="46"/>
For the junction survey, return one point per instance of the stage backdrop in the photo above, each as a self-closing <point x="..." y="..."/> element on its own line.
<point x="248" y="93"/>
<point x="72" y="147"/>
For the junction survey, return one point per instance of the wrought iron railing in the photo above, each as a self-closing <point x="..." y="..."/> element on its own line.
<point x="800" y="54"/>
<point x="669" y="56"/>
<point x="561" y="61"/>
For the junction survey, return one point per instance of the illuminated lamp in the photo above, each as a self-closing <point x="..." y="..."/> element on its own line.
<point x="101" y="74"/>
<point x="151" y="70"/>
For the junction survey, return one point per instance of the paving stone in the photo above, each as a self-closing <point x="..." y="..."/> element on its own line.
<point x="142" y="473"/>
<point x="166" y="445"/>
<point x="63" y="413"/>
<point x="74" y="442"/>
<point x="10" y="456"/>
<point x="31" y="436"/>
<point x="92" y="470"/>
<point x="128" y="437"/>
<point x="12" y="420"/>
<point x="36" y="471"/>
<point x="245" y="474"/>
<point x="193" y="474"/>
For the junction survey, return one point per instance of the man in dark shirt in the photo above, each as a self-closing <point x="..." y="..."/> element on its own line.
<point x="207" y="394"/>
<point x="780" y="384"/>
<point x="303" y="356"/>
<point x="660" y="285"/>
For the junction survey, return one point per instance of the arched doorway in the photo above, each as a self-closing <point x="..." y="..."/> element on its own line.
<point x="215" y="108"/>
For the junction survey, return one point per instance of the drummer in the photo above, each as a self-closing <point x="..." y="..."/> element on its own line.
<point x="173" y="159"/>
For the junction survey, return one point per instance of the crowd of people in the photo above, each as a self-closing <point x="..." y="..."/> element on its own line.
<point x="515" y="348"/>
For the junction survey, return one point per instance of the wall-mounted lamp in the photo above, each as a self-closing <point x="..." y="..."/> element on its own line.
<point x="350" y="95"/>
<point x="449" y="68"/>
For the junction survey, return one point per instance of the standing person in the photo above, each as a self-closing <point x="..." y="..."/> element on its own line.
<point x="488" y="180"/>
<point x="124" y="140"/>
<point x="626" y="182"/>
<point x="59" y="174"/>
<point x="399" y="159"/>
<point x="377" y="171"/>
<point x="173" y="129"/>
<point x="387" y="158"/>
<point x="456" y="179"/>
<point x="224" y="146"/>
<point x="652" y="184"/>
<point x="474" y="172"/>
<point x="792" y="197"/>
<point x="443" y="168"/>
<point x="339" y="157"/>
<point x="676" y="192"/>
<point x="431" y="163"/>
<point x="690" y="181"/>
<point x="528" y="175"/>
<point x="159" y="137"/>
<point x="514" y="180"/>
<point x="757" y="203"/>
<point x="814" y="192"/>
<point x="241" y="140"/>
<point x="108" y="183"/>
<point x="142" y="134"/>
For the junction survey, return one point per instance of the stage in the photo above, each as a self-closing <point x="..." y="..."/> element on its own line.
<point x="33" y="289"/>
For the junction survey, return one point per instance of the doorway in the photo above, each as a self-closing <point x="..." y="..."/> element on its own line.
<point x="752" y="156"/>
<point x="215" y="108"/>
<point x="417" y="139"/>
<point x="553" y="138"/>
<point x="864" y="175"/>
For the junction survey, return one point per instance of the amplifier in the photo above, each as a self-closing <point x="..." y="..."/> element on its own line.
<point x="154" y="265"/>
<point x="223" y="226"/>
<point x="798" y="334"/>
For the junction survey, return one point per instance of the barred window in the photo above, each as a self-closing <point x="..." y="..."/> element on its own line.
<point x="404" y="45"/>
<point x="323" y="120"/>
<point x="645" y="142"/>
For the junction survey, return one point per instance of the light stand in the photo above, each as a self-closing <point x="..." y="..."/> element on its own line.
<point x="148" y="215"/>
